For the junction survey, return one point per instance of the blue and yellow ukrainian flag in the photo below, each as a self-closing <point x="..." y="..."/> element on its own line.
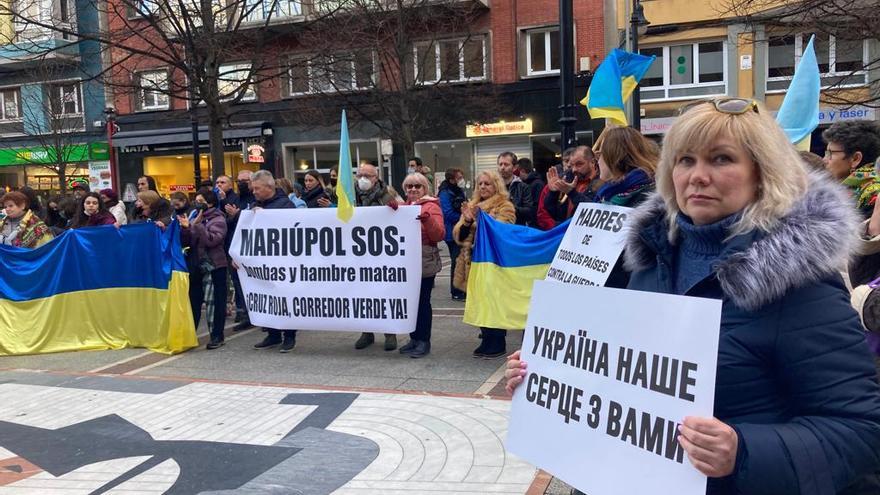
<point x="613" y="83"/>
<point x="97" y="288"/>
<point x="346" y="199"/>
<point x="799" y="114"/>
<point x="506" y="261"/>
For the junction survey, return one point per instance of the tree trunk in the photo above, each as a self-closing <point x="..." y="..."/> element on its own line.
<point x="62" y="177"/>
<point x="215" y="134"/>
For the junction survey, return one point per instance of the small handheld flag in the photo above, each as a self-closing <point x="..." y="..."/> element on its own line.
<point x="346" y="200"/>
<point x="613" y="83"/>
<point x="799" y="113"/>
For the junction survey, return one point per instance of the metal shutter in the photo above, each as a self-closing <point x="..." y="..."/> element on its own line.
<point x="488" y="150"/>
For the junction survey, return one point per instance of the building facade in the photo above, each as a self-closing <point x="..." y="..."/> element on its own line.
<point x="704" y="51"/>
<point x="51" y="104"/>
<point x="509" y="49"/>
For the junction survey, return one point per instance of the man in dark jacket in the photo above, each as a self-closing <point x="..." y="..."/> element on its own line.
<point x="231" y="206"/>
<point x="371" y="191"/>
<point x="532" y="178"/>
<point x="451" y="198"/>
<point x="578" y="185"/>
<point x="268" y="197"/>
<point x="520" y="195"/>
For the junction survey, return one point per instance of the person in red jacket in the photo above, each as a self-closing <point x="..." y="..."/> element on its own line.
<point x="417" y="189"/>
<point x="545" y="219"/>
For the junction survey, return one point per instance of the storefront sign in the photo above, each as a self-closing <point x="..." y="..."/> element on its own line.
<point x="99" y="151"/>
<point x="43" y="155"/>
<point x="827" y="116"/>
<point x="182" y="188"/>
<point x="100" y="176"/>
<point x="254" y="153"/>
<point x="500" y="128"/>
<point x="142" y="148"/>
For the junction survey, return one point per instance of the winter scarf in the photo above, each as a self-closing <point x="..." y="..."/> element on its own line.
<point x="622" y="192"/>
<point x="864" y="184"/>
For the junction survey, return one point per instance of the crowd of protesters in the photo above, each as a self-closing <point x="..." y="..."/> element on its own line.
<point x="727" y="209"/>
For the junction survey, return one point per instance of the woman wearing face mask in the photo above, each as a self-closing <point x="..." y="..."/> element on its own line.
<point x="491" y="198"/>
<point x="627" y="161"/>
<point x="737" y="218"/>
<point x="21" y="227"/>
<point x="314" y="192"/>
<point x="150" y="207"/>
<point x="433" y="231"/>
<point x="114" y="206"/>
<point x="91" y="212"/>
<point x="204" y="236"/>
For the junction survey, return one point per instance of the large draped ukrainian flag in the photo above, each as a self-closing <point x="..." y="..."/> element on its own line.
<point x="97" y="288"/>
<point x="505" y="262"/>
<point x="613" y="83"/>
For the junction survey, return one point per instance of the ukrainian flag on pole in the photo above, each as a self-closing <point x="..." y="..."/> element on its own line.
<point x="799" y="113"/>
<point x="613" y="83"/>
<point x="346" y="199"/>
<point x="505" y="262"/>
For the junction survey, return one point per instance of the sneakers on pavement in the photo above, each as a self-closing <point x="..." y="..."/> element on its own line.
<point x="271" y="340"/>
<point x="215" y="344"/>
<point x="408" y="347"/>
<point x="365" y="340"/>
<point x="287" y="346"/>
<point x="422" y="349"/>
<point x="390" y="341"/>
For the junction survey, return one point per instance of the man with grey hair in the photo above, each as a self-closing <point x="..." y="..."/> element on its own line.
<point x="268" y="197"/>
<point x="371" y="191"/>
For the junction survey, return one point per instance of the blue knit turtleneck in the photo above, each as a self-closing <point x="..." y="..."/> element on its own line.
<point x="699" y="247"/>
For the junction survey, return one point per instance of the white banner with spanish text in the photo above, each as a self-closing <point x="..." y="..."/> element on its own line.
<point x="304" y="269"/>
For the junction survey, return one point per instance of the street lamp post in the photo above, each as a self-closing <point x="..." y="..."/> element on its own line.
<point x="110" y="114"/>
<point x="638" y="24"/>
<point x="567" y="119"/>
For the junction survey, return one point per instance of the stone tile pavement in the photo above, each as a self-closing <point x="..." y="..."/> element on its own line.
<point x="72" y="433"/>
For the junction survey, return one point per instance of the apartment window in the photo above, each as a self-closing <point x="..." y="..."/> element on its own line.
<point x="685" y="71"/>
<point x="10" y="104"/>
<point x="65" y="99"/>
<point x="232" y="78"/>
<point x="260" y="10"/>
<point x="542" y="52"/>
<point x="456" y="60"/>
<point x="331" y="73"/>
<point x="152" y="91"/>
<point x="841" y="62"/>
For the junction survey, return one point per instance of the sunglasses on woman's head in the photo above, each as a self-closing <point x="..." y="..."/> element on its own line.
<point x="730" y="106"/>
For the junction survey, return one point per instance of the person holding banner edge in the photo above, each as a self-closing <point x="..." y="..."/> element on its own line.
<point x="490" y="197"/>
<point x="267" y="196"/>
<point x="737" y="217"/>
<point x="417" y="190"/>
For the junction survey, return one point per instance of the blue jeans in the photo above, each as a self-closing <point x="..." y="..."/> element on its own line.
<point x="454" y="250"/>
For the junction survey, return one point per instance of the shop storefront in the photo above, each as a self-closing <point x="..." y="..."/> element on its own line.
<point x="166" y="155"/>
<point x="300" y="157"/>
<point x="486" y="141"/>
<point x="37" y="167"/>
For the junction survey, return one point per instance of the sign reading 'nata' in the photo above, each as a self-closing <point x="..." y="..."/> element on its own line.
<point x="500" y="128"/>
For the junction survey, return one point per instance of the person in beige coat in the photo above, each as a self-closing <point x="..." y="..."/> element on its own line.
<point x="491" y="198"/>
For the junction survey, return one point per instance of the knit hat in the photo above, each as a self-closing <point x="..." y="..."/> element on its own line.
<point x="110" y="194"/>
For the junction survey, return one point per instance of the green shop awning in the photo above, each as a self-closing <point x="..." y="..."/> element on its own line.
<point x="37" y="155"/>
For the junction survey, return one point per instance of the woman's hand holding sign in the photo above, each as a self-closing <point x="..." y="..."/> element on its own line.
<point x="515" y="373"/>
<point x="711" y="445"/>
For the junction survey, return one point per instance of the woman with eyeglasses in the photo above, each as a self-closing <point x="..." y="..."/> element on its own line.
<point x="490" y="197"/>
<point x="738" y="218"/>
<point x="417" y="190"/>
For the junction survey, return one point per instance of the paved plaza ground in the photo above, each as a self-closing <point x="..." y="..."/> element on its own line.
<point x="323" y="419"/>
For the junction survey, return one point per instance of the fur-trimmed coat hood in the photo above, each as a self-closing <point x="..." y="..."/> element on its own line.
<point x="814" y="240"/>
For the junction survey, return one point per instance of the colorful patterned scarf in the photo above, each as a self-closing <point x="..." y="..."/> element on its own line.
<point x="864" y="183"/>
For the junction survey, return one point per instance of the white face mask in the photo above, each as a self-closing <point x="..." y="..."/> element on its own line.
<point x="411" y="170"/>
<point x="364" y="184"/>
<point x="461" y="183"/>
